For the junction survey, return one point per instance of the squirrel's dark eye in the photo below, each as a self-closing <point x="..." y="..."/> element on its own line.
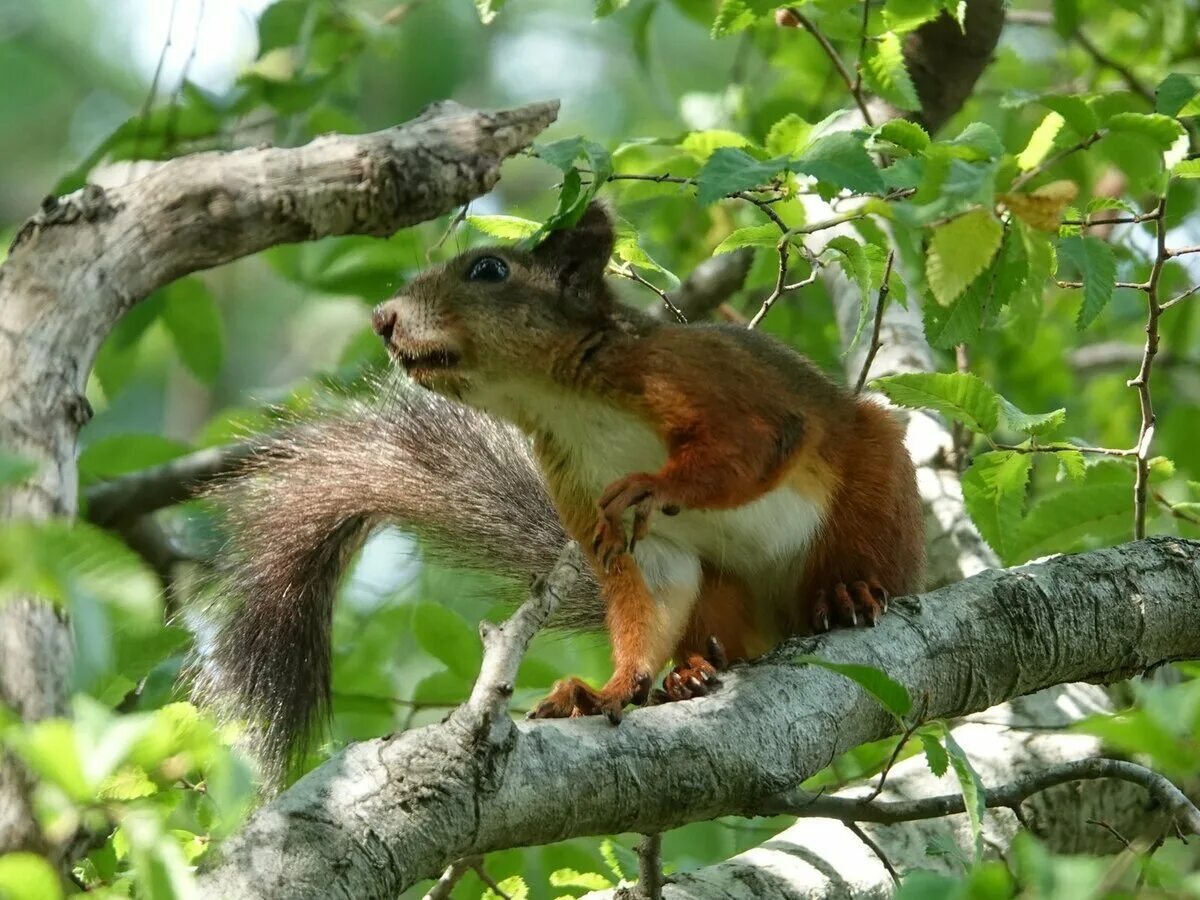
<point x="488" y="268"/>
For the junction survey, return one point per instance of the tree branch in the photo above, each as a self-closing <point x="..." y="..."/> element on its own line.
<point x="83" y="260"/>
<point x="386" y="813"/>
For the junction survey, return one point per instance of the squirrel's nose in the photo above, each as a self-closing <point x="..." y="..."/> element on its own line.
<point x="384" y="321"/>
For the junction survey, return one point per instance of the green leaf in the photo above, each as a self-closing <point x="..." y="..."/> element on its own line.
<point x="959" y="250"/>
<point x="446" y="636"/>
<point x="887" y="75"/>
<point x="608" y="7"/>
<point x="767" y="235"/>
<point x="1040" y="141"/>
<point x="1037" y="424"/>
<point x="891" y="694"/>
<point x="620" y="861"/>
<point x="1095" y="512"/>
<point x="591" y="881"/>
<point x="842" y="161"/>
<point x="14" y="468"/>
<point x="629" y="249"/>
<point x="1176" y="95"/>
<point x="788" y="136"/>
<point x="857" y="267"/>
<point x="959" y="395"/>
<point x="905" y="15"/>
<point x="27" y="876"/>
<point x="1071" y="464"/>
<point x="1163" y="130"/>
<point x="994" y="492"/>
<point x="935" y="753"/>
<point x="903" y="133"/>
<point x="730" y="170"/>
<point x="1098" y="271"/>
<point x="508" y="228"/>
<point x="978" y="141"/>
<point x="194" y="321"/>
<point x="1075" y="111"/>
<point x="1186" y="168"/>
<point x="702" y="144"/>
<point x="738" y="15"/>
<point x="120" y="454"/>
<point x="487" y="9"/>
<point x="973" y="791"/>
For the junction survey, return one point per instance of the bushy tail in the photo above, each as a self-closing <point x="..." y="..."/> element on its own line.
<point x="303" y="504"/>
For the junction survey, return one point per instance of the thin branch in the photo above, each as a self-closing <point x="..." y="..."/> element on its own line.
<point x="909" y="730"/>
<point x="1141" y="381"/>
<point x="1065" y="448"/>
<point x="874" y="848"/>
<point x="444" y="886"/>
<point x="1173" y="801"/>
<point x="1055" y="158"/>
<point x="880" y="304"/>
<point x="458" y="219"/>
<point x="1134" y="83"/>
<point x="852" y="85"/>
<point x="1163" y="307"/>
<point x="488" y="880"/>
<point x="650" y="872"/>
<point x="628" y="271"/>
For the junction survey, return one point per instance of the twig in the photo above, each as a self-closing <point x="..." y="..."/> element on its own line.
<point x="1054" y="159"/>
<point x="650" y="873"/>
<point x="880" y="303"/>
<point x="909" y="730"/>
<point x="1173" y="801"/>
<point x="1134" y="83"/>
<point x="1163" y="307"/>
<point x="628" y="271"/>
<point x="711" y="283"/>
<point x="1065" y="448"/>
<point x="874" y="848"/>
<point x="854" y="87"/>
<point x="1141" y="381"/>
<point x="488" y="880"/>
<point x="1175" y="511"/>
<point x="444" y="886"/>
<point x="458" y="219"/>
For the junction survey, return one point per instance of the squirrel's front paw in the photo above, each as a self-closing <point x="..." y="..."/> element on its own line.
<point x="572" y="697"/>
<point x="695" y="676"/>
<point x="859" y="603"/>
<point x="632" y="491"/>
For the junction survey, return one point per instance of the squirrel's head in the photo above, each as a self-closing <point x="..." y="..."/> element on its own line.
<point x="499" y="311"/>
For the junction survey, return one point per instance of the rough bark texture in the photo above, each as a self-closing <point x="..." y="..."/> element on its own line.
<point x="85" y="259"/>
<point x="386" y="813"/>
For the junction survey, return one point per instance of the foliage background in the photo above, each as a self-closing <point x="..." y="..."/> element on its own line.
<point x="197" y="364"/>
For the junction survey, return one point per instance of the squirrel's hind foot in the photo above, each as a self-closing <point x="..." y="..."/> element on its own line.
<point x="572" y="697"/>
<point x="859" y="603"/>
<point x="696" y="676"/>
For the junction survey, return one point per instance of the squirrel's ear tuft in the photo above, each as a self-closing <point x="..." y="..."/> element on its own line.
<point x="580" y="253"/>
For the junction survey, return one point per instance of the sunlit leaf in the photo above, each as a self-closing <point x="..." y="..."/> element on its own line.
<point x="959" y="251"/>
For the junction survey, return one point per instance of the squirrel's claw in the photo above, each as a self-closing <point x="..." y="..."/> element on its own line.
<point x="859" y="603"/>
<point x="571" y="698"/>
<point x="633" y="491"/>
<point x="697" y="676"/>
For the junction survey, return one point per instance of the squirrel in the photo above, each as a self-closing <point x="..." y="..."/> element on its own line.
<point x="726" y="492"/>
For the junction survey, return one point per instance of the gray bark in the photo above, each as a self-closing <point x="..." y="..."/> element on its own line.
<point x="84" y="260"/>
<point x="386" y="813"/>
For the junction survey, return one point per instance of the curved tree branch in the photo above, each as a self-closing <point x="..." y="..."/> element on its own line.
<point x="386" y="813"/>
<point x="84" y="260"/>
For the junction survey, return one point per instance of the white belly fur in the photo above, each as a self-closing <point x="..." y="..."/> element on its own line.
<point x="754" y="541"/>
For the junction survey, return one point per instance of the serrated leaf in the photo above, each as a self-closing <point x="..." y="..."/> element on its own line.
<point x="1040" y="141"/>
<point x="1098" y="272"/>
<point x="194" y="321"/>
<point x="978" y="141"/>
<point x="959" y="395"/>
<point x="628" y="248"/>
<point x="905" y="15"/>
<point x="608" y="7"/>
<point x="1177" y="95"/>
<point x="1163" y="130"/>
<point x="1042" y="208"/>
<point x="960" y="322"/>
<point x="857" y="267"/>
<point x="887" y="75"/>
<point x="1014" y="419"/>
<point x="935" y="754"/>
<point x="1095" y="512"/>
<point x="738" y="15"/>
<point x="513" y="887"/>
<point x="730" y="170"/>
<point x="445" y="635"/>
<point x="487" y="9"/>
<point x="702" y="144"/>
<point x="973" y="791"/>
<point x="1072" y="464"/>
<point x="508" y="228"/>
<point x="842" y="161"/>
<point x="789" y="136"/>
<point x="591" y="881"/>
<point x="1186" y="168"/>
<point x="1075" y="111"/>
<point x="767" y="235"/>
<point x="959" y="250"/>
<point x="903" y="133"/>
<point x="994" y="493"/>
<point x="620" y="861"/>
<point x="891" y="694"/>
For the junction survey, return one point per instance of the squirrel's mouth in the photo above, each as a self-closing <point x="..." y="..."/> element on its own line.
<point x="437" y="360"/>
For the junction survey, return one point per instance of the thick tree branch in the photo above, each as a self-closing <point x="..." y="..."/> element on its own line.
<point x="386" y="813"/>
<point x="84" y="260"/>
